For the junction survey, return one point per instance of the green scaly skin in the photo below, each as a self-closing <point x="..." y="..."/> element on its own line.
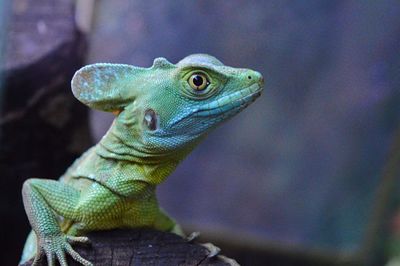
<point x="162" y="112"/>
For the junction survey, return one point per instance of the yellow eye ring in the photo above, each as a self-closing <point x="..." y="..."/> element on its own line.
<point x="198" y="81"/>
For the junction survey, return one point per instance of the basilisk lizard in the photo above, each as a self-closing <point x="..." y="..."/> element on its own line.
<point x="162" y="113"/>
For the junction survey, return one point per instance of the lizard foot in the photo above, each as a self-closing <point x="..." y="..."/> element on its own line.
<point x="192" y="237"/>
<point x="212" y="249"/>
<point x="230" y="261"/>
<point x="55" y="247"/>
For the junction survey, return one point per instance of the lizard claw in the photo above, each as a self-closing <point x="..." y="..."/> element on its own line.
<point x="192" y="237"/>
<point x="212" y="249"/>
<point x="77" y="257"/>
<point x="230" y="261"/>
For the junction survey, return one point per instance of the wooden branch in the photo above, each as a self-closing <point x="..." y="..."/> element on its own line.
<point x="143" y="247"/>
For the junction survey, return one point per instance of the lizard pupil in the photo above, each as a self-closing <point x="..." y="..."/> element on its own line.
<point x="150" y="119"/>
<point x="198" y="80"/>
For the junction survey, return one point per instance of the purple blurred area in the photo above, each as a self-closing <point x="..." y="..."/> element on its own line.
<point x="300" y="166"/>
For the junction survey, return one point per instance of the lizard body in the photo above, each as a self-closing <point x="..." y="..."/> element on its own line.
<point x="162" y="112"/>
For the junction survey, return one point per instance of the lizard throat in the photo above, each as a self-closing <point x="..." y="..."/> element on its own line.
<point x="115" y="147"/>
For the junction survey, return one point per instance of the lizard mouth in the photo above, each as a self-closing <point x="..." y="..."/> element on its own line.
<point x="233" y="102"/>
<point x="227" y="105"/>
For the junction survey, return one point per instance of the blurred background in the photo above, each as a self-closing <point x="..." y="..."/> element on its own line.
<point x="307" y="175"/>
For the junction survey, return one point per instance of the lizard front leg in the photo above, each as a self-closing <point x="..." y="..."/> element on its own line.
<point x="165" y="223"/>
<point x="42" y="199"/>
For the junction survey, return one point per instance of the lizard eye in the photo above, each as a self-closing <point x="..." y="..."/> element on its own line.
<point x="198" y="82"/>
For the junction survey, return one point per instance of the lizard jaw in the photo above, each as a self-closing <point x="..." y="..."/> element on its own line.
<point x="229" y="104"/>
<point x="233" y="102"/>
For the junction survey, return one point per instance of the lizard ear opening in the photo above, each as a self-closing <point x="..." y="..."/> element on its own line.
<point x="105" y="87"/>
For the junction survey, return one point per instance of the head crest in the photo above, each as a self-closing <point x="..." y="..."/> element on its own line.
<point x="161" y="62"/>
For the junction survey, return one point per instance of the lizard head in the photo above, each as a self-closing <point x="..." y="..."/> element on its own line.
<point x="167" y="107"/>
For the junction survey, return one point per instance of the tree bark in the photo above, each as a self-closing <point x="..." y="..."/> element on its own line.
<point x="142" y="247"/>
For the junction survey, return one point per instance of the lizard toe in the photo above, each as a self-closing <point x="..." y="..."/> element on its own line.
<point x="212" y="249"/>
<point x="61" y="258"/>
<point x="78" y="239"/>
<point x="75" y="255"/>
<point x="192" y="237"/>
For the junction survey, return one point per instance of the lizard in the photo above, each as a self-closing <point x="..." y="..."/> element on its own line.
<point x="161" y="113"/>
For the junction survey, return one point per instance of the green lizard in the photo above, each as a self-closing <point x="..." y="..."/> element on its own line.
<point x="162" y="112"/>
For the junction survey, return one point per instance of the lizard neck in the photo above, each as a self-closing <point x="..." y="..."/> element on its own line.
<point x="126" y="150"/>
<point x="123" y="145"/>
<point x="99" y="164"/>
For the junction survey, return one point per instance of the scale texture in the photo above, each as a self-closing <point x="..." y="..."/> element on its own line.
<point x="162" y="113"/>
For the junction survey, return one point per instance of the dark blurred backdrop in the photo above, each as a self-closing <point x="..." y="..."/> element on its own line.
<point x="301" y="166"/>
